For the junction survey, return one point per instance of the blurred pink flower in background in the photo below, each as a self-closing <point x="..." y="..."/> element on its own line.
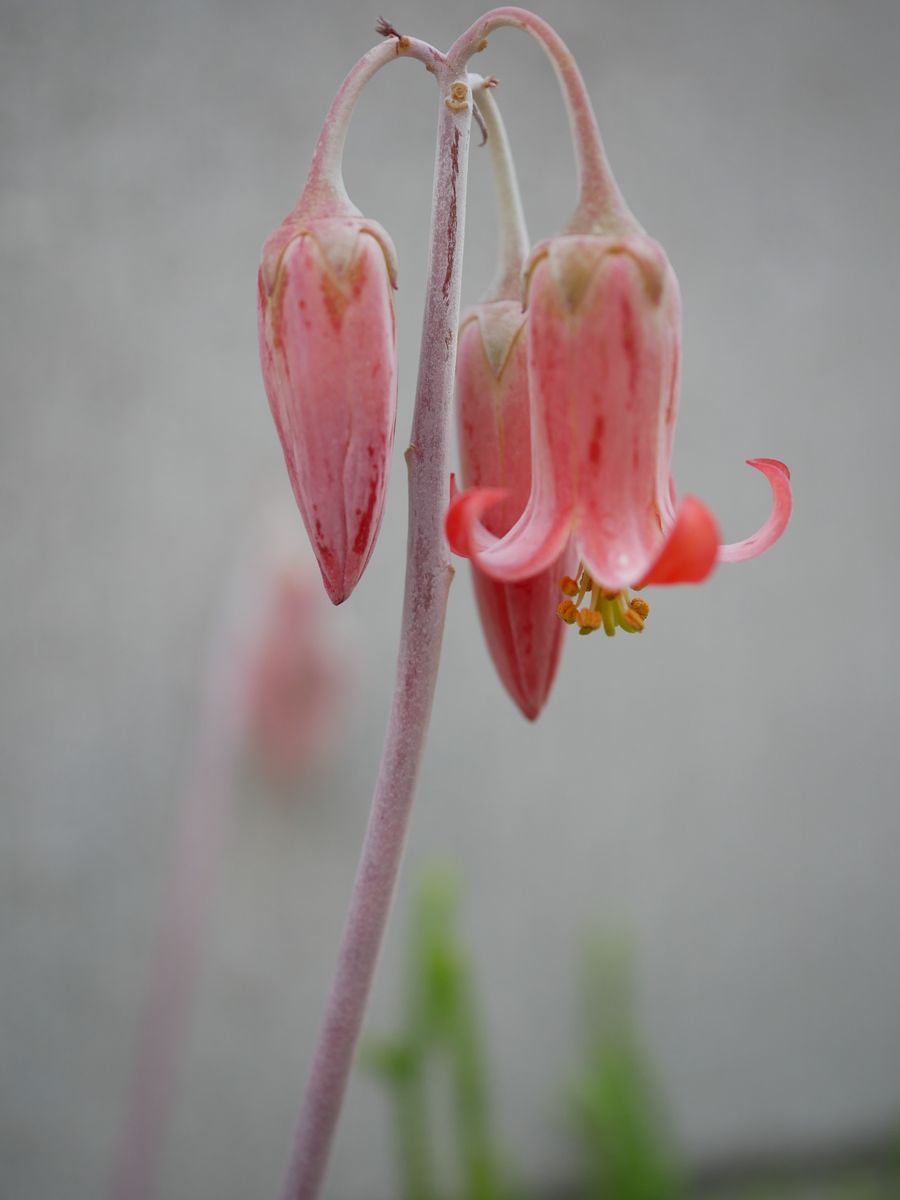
<point x="275" y="683"/>
<point x="298" y="681"/>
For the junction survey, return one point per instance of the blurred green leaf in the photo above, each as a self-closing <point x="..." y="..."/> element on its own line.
<point x="626" y="1151"/>
<point x="441" y="1031"/>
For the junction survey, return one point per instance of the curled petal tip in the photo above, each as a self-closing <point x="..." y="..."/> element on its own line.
<point x="463" y="520"/>
<point x="689" y="552"/>
<point x="773" y="527"/>
<point x="762" y="463"/>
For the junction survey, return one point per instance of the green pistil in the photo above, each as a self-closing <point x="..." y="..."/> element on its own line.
<point x="612" y="610"/>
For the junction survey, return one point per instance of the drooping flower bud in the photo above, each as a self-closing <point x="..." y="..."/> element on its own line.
<point x="519" y="619"/>
<point x="328" y="347"/>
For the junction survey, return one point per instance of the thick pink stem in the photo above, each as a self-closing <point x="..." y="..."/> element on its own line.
<point x="428" y="575"/>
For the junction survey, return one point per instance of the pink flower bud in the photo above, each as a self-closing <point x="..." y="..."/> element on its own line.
<point x="519" y="619"/>
<point x="328" y="346"/>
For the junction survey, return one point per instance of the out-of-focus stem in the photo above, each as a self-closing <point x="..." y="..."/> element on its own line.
<point x="208" y="796"/>
<point x="601" y="207"/>
<point x="513" y="248"/>
<point x="428" y="576"/>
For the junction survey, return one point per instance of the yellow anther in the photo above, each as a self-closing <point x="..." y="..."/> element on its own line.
<point x="604" y="607"/>
<point x="631" y="620"/>
<point x="585" y="630"/>
<point x="567" y="612"/>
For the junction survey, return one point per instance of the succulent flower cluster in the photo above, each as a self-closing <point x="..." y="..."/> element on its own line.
<point x="566" y="388"/>
<point x="567" y="397"/>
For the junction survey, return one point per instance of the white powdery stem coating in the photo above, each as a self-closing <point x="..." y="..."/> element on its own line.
<point x="428" y="576"/>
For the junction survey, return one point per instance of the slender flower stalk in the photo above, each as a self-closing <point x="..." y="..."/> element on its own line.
<point x="325" y="194"/>
<point x="172" y="971"/>
<point x="601" y="206"/>
<point x="513" y="244"/>
<point x="428" y="577"/>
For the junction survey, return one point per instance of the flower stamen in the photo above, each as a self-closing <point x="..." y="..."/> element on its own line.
<point x="568" y="612"/>
<point x="611" y="609"/>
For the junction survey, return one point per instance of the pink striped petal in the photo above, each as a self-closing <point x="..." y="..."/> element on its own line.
<point x="523" y="633"/>
<point x="770" y="531"/>
<point x="604" y="332"/>
<point x="327" y="339"/>
<point x="524" y="636"/>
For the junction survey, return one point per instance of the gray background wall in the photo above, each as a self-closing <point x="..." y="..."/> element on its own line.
<point x="724" y="787"/>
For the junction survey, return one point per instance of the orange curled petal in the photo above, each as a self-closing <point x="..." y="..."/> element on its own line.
<point x="689" y="552"/>
<point x="773" y="527"/>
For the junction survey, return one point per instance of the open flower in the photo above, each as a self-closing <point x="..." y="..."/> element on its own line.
<point x="328" y="347"/>
<point x="519" y="622"/>
<point x="604" y="345"/>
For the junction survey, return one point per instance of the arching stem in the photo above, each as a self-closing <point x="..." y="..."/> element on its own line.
<point x="325" y="194"/>
<point x="601" y="207"/>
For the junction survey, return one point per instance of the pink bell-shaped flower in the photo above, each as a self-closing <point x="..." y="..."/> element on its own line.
<point x="328" y="346"/>
<point x="519" y="620"/>
<point x="604" y="321"/>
